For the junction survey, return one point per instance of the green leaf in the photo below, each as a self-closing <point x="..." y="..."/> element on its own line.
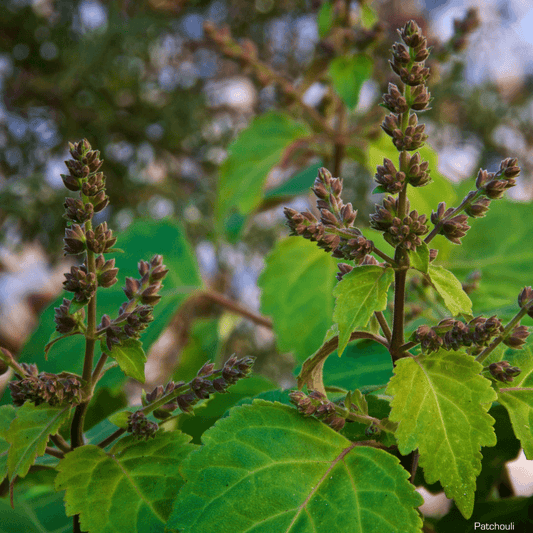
<point x="361" y="292"/>
<point x="325" y="18"/>
<point x="252" y="156"/>
<point x="267" y="469"/>
<point x="441" y="404"/>
<point x="28" y="435"/>
<point x="451" y="290"/>
<point x="297" y="285"/>
<point x="420" y="258"/>
<point x="131" y="488"/>
<point x="7" y="415"/>
<point x="299" y="184"/>
<point x="497" y="245"/>
<point x="120" y="419"/>
<point x="379" y="190"/>
<point x="130" y="356"/>
<point x="519" y="403"/>
<point x="363" y="363"/>
<point x="348" y="73"/>
<point x="142" y="240"/>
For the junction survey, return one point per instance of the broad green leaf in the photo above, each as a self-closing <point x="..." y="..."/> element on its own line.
<point x="297" y="285"/>
<point x="348" y="73"/>
<point x="420" y="258"/>
<point x="325" y="18"/>
<point x="363" y="363"/>
<point x="451" y="290"/>
<point x="130" y="356"/>
<point x="142" y="240"/>
<point x="441" y="404"/>
<point x="7" y="415"/>
<point x="497" y="245"/>
<point x="251" y="157"/>
<point x="267" y="469"/>
<point x="517" y="397"/>
<point x="38" y="508"/>
<point x="299" y="184"/>
<point x="28" y="435"/>
<point x="361" y="292"/>
<point x="131" y="488"/>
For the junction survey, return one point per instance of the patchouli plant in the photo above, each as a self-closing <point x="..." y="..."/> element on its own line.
<point x="448" y="401"/>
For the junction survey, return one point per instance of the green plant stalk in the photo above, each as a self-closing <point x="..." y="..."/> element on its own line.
<point x="486" y="352"/>
<point x="76" y="429"/>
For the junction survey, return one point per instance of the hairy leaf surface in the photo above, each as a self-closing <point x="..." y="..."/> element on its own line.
<point x="441" y="404"/>
<point x="130" y="489"/>
<point x="517" y="397"/>
<point x="252" y="156"/>
<point x="297" y="285"/>
<point x="451" y="290"/>
<point x="266" y="468"/>
<point x="28" y="435"/>
<point x="361" y="292"/>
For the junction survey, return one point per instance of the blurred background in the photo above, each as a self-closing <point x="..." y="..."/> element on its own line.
<point x="162" y="96"/>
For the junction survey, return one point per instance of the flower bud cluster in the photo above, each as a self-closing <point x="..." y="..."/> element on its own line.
<point x="207" y="381"/>
<point x="141" y="427"/>
<point x="408" y="63"/>
<point x="451" y="334"/>
<point x="81" y="282"/>
<point x="145" y="290"/>
<point x="503" y="371"/>
<point x="128" y="325"/>
<point x="404" y="232"/>
<point x="525" y="299"/>
<point x="44" y="387"/>
<point x="65" y="321"/>
<point x="494" y="184"/>
<point x="317" y="404"/>
<point x="334" y="232"/>
<point x="454" y="228"/>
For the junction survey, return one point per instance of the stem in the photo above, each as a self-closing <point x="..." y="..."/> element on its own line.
<point x="237" y="308"/>
<point x="400" y="276"/>
<point x="111" y="438"/>
<point x="384" y="325"/>
<point x="54" y="452"/>
<point x="383" y="255"/>
<point x="60" y="443"/>
<point x="414" y="466"/>
<point x="486" y="352"/>
<point x="99" y="367"/>
<point x="76" y="430"/>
